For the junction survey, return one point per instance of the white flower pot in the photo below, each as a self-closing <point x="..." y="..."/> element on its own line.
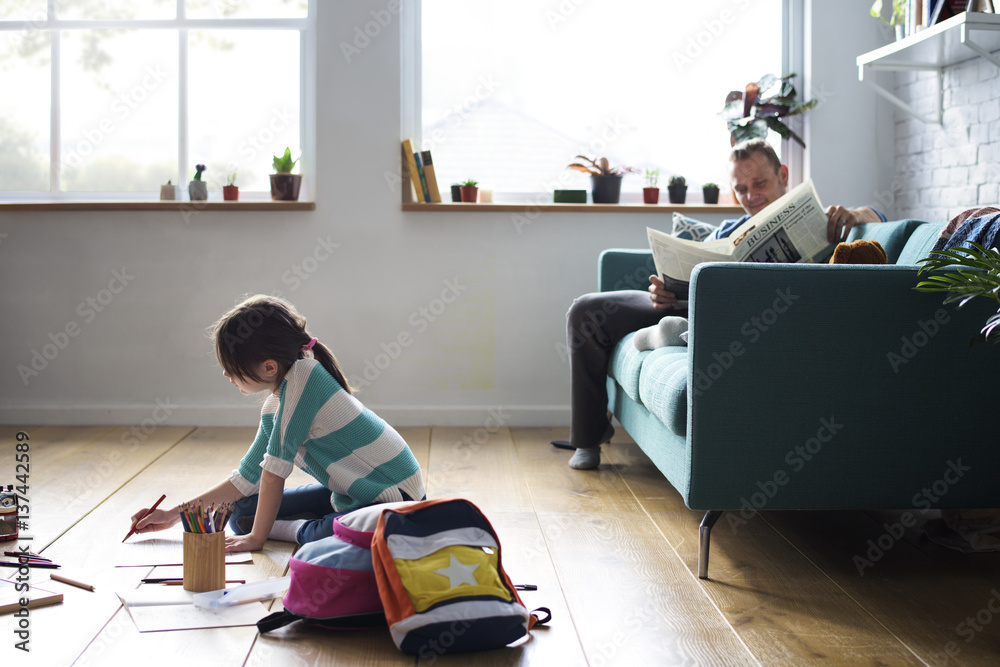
<point x="198" y="190"/>
<point x="168" y="192"/>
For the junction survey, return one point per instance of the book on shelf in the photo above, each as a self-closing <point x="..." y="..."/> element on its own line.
<point x="423" y="177"/>
<point x="410" y="166"/>
<point x="431" y="177"/>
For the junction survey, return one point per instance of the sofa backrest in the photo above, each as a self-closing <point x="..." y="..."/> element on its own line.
<point x="893" y="236"/>
<point x="920" y="243"/>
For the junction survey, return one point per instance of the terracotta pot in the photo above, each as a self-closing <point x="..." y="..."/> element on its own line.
<point x="231" y="193"/>
<point x="285" y="187"/>
<point x="651" y="195"/>
<point x="470" y="193"/>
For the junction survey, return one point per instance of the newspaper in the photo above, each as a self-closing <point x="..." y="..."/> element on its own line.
<point x="791" y="229"/>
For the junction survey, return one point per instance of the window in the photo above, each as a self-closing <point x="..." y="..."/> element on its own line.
<point x="510" y="92"/>
<point x="115" y="97"/>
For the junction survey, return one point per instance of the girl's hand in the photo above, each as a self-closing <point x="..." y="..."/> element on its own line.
<point x="158" y="520"/>
<point x="243" y="543"/>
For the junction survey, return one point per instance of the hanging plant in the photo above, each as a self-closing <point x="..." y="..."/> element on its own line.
<point x="760" y="107"/>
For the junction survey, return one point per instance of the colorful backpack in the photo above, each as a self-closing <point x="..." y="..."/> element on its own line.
<point x="332" y="579"/>
<point x="442" y="583"/>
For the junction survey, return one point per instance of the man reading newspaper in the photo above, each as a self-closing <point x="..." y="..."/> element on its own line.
<point x="597" y="321"/>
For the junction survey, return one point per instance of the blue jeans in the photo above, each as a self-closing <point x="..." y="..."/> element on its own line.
<point x="310" y="502"/>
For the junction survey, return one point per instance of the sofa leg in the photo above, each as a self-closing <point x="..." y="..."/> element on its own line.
<point x="704" y="540"/>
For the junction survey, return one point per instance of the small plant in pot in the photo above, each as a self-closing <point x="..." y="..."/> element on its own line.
<point x="711" y="192"/>
<point x="605" y="180"/>
<point x="677" y="189"/>
<point x="651" y="193"/>
<point x="197" y="188"/>
<point x="231" y="191"/>
<point x="284" y="184"/>
<point x="168" y="192"/>
<point x="470" y="191"/>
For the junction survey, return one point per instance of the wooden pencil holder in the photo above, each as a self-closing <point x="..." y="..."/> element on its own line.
<point x="204" y="561"/>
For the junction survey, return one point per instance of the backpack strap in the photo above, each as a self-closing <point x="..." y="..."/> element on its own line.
<point x="536" y="618"/>
<point x="278" y="619"/>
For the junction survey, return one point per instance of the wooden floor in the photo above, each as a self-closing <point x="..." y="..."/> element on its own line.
<point x="613" y="553"/>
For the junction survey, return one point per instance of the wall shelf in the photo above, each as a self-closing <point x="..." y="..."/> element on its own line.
<point x="951" y="42"/>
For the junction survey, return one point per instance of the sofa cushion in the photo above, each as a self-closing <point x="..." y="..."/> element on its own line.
<point x="892" y="235"/>
<point x="920" y="243"/>
<point x="663" y="385"/>
<point x="626" y="364"/>
<point x="689" y="228"/>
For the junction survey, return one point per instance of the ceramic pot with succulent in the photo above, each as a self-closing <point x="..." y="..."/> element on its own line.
<point x="231" y="191"/>
<point x="677" y="189"/>
<point x="168" y="192"/>
<point x="711" y="192"/>
<point x="605" y="180"/>
<point x="651" y="193"/>
<point x="284" y="184"/>
<point x="470" y="191"/>
<point x="760" y="106"/>
<point x="197" y="188"/>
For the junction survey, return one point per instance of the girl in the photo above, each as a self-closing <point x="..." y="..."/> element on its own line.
<point x="310" y="419"/>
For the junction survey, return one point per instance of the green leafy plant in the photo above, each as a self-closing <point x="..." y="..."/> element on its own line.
<point x="898" y="16"/>
<point x="469" y="183"/>
<point x="599" y="167"/>
<point x="198" y="168"/>
<point x="284" y="164"/>
<point x="677" y="181"/>
<point x="231" y="179"/>
<point x="760" y="106"/>
<point x="652" y="177"/>
<point x="710" y="185"/>
<point x="968" y="273"/>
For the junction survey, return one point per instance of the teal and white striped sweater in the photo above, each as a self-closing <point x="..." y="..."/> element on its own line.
<point x="313" y="423"/>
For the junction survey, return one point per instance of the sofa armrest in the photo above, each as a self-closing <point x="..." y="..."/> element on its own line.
<point x="835" y="387"/>
<point x="620" y="268"/>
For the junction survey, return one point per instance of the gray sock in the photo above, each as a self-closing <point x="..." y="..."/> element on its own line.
<point x="586" y="458"/>
<point x="286" y="531"/>
<point x="669" y="331"/>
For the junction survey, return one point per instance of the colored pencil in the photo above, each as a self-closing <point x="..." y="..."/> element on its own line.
<point x="148" y="512"/>
<point x="32" y="563"/>
<point x="71" y="582"/>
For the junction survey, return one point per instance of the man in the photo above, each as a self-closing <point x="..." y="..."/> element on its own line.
<point x="596" y="322"/>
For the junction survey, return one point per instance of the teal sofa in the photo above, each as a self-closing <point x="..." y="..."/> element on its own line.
<point x="814" y="387"/>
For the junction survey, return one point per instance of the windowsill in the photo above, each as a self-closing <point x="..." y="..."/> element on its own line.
<point x="262" y="205"/>
<point x="685" y="209"/>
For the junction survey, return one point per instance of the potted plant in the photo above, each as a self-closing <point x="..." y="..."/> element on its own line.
<point x="711" y="192"/>
<point x="284" y="184"/>
<point x="750" y="113"/>
<point x="168" y="192"/>
<point x="651" y="193"/>
<point x="897" y="19"/>
<point x="231" y="191"/>
<point x="677" y="189"/>
<point x="975" y="272"/>
<point x="197" y="188"/>
<point x="605" y="181"/>
<point x="470" y="190"/>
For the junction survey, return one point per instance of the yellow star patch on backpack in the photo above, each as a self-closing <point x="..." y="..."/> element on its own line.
<point x="441" y="580"/>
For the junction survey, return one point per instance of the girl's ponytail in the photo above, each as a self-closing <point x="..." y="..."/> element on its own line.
<point x="325" y="357"/>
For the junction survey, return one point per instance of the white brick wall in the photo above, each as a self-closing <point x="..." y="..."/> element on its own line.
<point x="944" y="169"/>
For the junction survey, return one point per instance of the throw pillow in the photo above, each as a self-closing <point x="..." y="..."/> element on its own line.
<point x="690" y="229"/>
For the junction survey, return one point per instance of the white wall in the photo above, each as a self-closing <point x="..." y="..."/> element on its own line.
<point x="493" y="347"/>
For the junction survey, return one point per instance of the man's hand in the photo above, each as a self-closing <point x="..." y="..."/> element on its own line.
<point x="840" y="220"/>
<point x="658" y="294"/>
<point x="243" y="543"/>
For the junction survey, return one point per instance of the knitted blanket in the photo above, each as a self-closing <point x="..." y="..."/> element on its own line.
<point x="979" y="225"/>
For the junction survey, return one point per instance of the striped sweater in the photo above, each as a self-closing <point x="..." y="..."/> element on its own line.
<point x="313" y="423"/>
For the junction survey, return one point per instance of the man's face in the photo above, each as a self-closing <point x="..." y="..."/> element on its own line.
<point x="756" y="183"/>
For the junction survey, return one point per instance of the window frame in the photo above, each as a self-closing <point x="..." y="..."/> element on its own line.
<point x="411" y="105"/>
<point x="182" y="25"/>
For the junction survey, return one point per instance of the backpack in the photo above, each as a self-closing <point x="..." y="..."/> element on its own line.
<point x="332" y="579"/>
<point x="441" y="580"/>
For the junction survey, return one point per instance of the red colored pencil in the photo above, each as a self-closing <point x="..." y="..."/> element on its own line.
<point x="148" y="512"/>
